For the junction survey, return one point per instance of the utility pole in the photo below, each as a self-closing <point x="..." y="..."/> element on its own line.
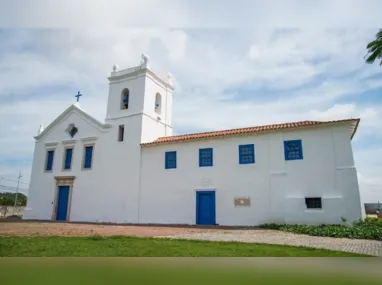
<point x="17" y="191"/>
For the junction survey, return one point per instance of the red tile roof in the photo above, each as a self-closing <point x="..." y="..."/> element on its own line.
<point x="250" y="130"/>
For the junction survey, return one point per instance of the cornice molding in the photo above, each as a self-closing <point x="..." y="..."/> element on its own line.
<point x="116" y="76"/>
<point x="49" y="144"/>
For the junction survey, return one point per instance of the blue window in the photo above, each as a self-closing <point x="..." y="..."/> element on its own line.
<point x="49" y="160"/>
<point x="293" y="150"/>
<point x="170" y="159"/>
<point x="68" y="158"/>
<point x="246" y="153"/>
<point x="205" y="157"/>
<point x="88" y="157"/>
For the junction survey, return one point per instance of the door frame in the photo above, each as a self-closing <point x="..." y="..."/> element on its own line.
<point x="198" y="192"/>
<point x="63" y="181"/>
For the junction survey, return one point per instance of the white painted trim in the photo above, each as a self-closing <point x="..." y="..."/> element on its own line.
<point x="205" y="189"/>
<point x="303" y="197"/>
<point x="82" y="114"/>
<point x="314" y="210"/>
<point x="87" y="139"/>
<point x="69" y="142"/>
<point x="345" y="167"/>
<point x="50" y="144"/>
<point x="281" y="172"/>
<point x="138" y="114"/>
<point x="123" y="116"/>
<point x="137" y="71"/>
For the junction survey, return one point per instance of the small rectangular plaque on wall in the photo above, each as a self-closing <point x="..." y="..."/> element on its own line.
<point x="242" y="202"/>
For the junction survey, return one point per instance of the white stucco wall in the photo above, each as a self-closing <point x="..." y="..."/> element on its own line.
<point x="86" y="194"/>
<point x="277" y="187"/>
<point x="109" y="192"/>
<point x="129" y="184"/>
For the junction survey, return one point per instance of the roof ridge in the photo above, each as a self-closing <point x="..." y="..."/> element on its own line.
<point x="72" y="108"/>
<point x="245" y="130"/>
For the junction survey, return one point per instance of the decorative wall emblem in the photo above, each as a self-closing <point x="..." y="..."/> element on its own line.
<point x="242" y="201"/>
<point x="71" y="130"/>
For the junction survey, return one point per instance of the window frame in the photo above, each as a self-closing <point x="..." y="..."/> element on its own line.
<point x="84" y="157"/>
<point x="314" y="203"/>
<point x="122" y="104"/>
<point x="121" y="138"/>
<point x="167" y="159"/>
<point x="46" y="159"/>
<point x="201" y="150"/>
<point x="241" y="148"/>
<point x="64" y="158"/>
<point x="158" y="105"/>
<point x="299" y="142"/>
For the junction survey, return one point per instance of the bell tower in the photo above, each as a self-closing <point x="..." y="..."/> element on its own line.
<point x="140" y="100"/>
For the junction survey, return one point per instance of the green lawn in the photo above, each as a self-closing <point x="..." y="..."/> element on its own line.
<point x="147" y="247"/>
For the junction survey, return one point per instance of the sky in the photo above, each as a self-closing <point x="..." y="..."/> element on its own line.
<point x="259" y="62"/>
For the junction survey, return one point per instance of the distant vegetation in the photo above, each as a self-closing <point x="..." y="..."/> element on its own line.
<point x="8" y="199"/>
<point x="369" y="228"/>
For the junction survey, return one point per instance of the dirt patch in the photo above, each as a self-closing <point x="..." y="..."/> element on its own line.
<point x="68" y="229"/>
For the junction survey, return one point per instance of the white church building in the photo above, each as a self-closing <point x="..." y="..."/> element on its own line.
<point x="132" y="169"/>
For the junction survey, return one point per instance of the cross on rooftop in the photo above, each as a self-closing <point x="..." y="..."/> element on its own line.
<point x="78" y="96"/>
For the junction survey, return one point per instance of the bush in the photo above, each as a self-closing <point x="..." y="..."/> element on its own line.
<point x="370" y="228"/>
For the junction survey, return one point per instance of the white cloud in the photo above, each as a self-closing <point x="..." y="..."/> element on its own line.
<point x="191" y="14"/>
<point x="335" y="112"/>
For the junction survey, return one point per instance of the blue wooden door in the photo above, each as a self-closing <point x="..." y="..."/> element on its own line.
<point x="205" y="208"/>
<point x="62" y="203"/>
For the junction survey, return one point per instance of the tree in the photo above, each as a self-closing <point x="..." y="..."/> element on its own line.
<point x="8" y="199"/>
<point x="375" y="49"/>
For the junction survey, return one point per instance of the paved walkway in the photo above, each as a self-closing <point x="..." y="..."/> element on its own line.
<point x="368" y="247"/>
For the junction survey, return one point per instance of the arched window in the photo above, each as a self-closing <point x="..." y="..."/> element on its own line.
<point x="125" y="99"/>
<point x="158" y="103"/>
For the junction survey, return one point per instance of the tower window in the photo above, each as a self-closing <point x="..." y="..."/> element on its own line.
<point x="121" y="133"/>
<point x="125" y="99"/>
<point x="158" y="103"/>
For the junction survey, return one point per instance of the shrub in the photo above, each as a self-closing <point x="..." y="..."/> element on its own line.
<point x="364" y="229"/>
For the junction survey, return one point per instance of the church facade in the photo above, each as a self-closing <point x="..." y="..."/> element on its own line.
<point x="132" y="169"/>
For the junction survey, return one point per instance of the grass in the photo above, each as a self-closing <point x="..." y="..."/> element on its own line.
<point x="97" y="246"/>
<point x="192" y="271"/>
<point x="370" y="228"/>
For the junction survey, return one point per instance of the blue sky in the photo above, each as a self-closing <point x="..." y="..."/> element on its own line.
<point x="254" y="61"/>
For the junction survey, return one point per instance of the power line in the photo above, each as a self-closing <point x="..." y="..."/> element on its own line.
<point x="12" y="188"/>
<point x="7" y="179"/>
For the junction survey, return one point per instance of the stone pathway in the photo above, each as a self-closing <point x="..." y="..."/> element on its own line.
<point x="368" y="247"/>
